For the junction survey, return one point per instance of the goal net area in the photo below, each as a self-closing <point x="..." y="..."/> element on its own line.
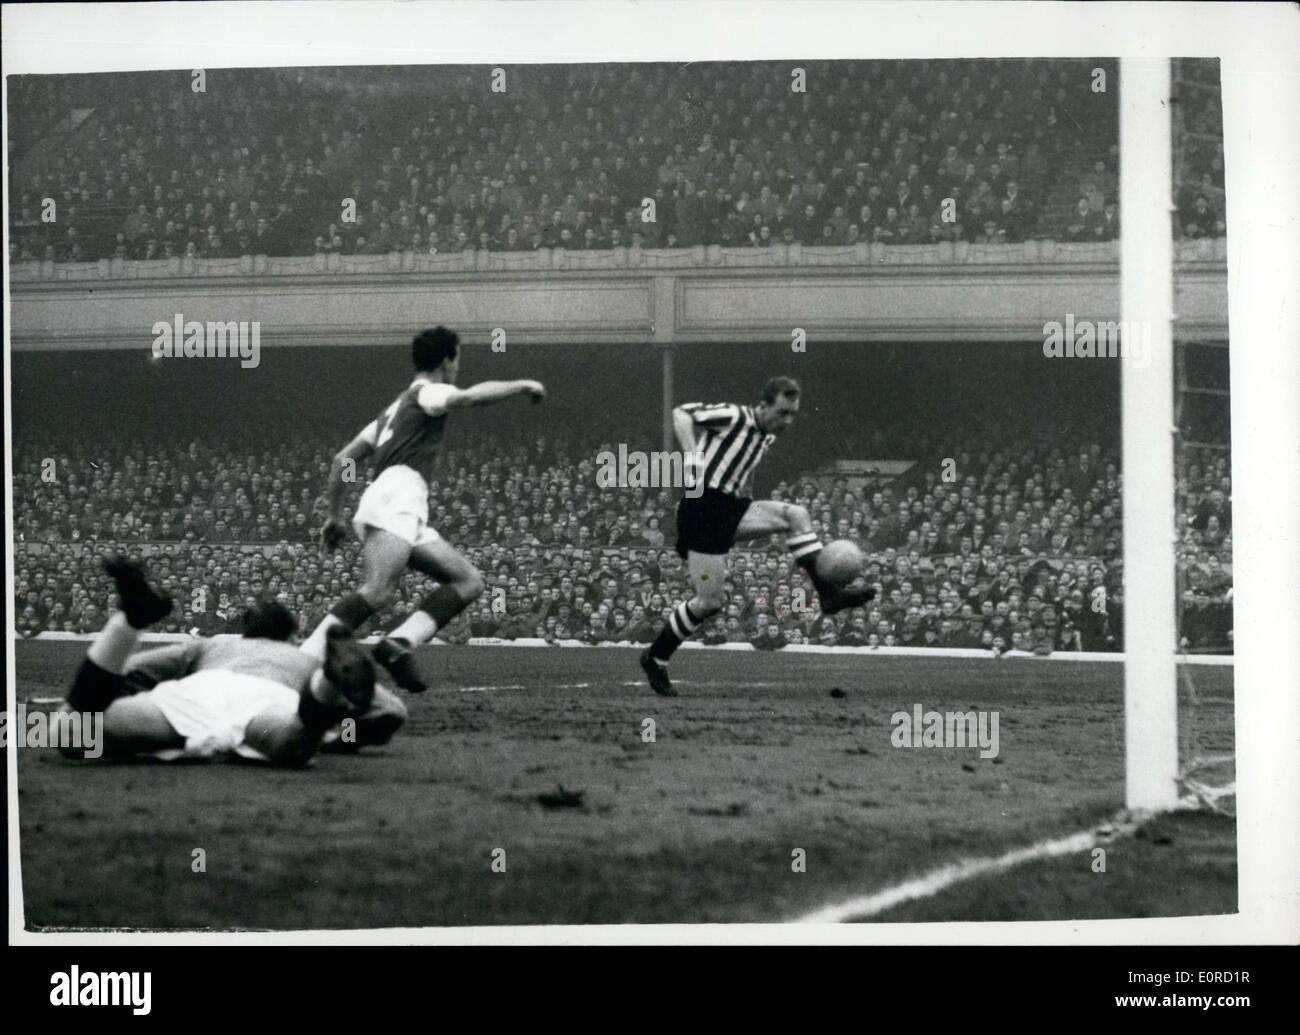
<point x="1207" y="761"/>
<point x="1207" y="770"/>
<point x="1203" y="492"/>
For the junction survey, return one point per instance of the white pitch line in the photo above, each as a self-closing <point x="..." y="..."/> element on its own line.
<point x="587" y="686"/>
<point x="519" y="686"/>
<point x="709" y="682"/>
<point x="946" y="876"/>
<point x="495" y="686"/>
<point x="802" y="648"/>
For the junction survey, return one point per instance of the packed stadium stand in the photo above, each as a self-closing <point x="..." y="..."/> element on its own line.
<point x="1018" y="550"/>
<point x="142" y="166"/>
<point x="1198" y="160"/>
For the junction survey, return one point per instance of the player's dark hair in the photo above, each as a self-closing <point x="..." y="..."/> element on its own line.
<point x="780" y="388"/>
<point x="269" y="620"/>
<point x="431" y="348"/>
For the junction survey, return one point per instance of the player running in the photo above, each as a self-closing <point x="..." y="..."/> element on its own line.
<point x="392" y="519"/>
<point x="724" y="443"/>
<point x="255" y="697"/>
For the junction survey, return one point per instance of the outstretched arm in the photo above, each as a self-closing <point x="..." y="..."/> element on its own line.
<point x="482" y="394"/>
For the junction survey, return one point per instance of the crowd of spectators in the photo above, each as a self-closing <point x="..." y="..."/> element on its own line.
<point x="1095" y="216"/>
<point x="1022" y="552"/>
<point x="1198" y="161"/>
<point x="1204" y="550"/>
<point x="433" y="160"/>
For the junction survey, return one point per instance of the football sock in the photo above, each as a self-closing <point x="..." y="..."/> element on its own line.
<point x="352" y="611"/>
<point x="418" y="627"/>
<point x="95" y="688"/>
<point x="315" y="643"/>
<point x="681" y="625"/>
<point x="114" y="644"/>
<point x="436" y="610"/>
<point x="442" y="605"/>
<point x="805" y="548"/>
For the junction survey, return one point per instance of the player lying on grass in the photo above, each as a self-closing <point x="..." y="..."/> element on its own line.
<point x="392" y="519"/>
<point x="256" y="696"/>
<point x="725" y="442"/>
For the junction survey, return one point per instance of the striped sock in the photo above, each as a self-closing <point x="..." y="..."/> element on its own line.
<point x="804" y="548"/>
<point x="681" y="625"/>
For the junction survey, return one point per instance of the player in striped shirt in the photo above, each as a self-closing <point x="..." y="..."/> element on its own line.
<point x="392" y="518"/>
<point x="724" y="443"/>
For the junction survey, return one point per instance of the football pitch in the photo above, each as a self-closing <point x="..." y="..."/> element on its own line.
<point x="529" y="788"/>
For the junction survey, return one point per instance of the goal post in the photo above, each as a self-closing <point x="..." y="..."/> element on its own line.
<point x="1148" y="434"/>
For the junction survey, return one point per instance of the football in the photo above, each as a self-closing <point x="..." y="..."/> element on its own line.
<point x="840" y="562"/>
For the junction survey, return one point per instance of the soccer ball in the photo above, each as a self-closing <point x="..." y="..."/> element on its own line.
<point x="840" y="562"/>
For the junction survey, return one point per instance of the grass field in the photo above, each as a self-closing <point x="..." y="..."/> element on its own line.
<point x="756" y="759"/>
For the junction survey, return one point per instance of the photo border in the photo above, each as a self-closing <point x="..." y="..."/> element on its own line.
<point x="1256" y="45"/>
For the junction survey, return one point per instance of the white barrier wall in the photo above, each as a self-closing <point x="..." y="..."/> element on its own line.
<point x="887" y="293"/>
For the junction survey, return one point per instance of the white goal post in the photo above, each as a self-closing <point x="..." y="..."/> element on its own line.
<point x="1148" y="436"/>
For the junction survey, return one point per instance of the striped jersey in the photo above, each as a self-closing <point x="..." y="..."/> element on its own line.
<point x="731" y="443"/>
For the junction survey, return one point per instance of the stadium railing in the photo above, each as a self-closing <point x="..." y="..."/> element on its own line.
<point x="1043" y="252"/>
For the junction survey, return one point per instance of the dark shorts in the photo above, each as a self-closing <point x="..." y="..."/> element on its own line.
<point x="708" y="523"/>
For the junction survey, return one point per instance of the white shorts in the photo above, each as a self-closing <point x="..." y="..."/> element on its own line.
<point x="398" y="502"/>
<point x="212" y="710"/>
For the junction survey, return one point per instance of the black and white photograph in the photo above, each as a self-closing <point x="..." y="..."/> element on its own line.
<point x="467" y="492"/>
